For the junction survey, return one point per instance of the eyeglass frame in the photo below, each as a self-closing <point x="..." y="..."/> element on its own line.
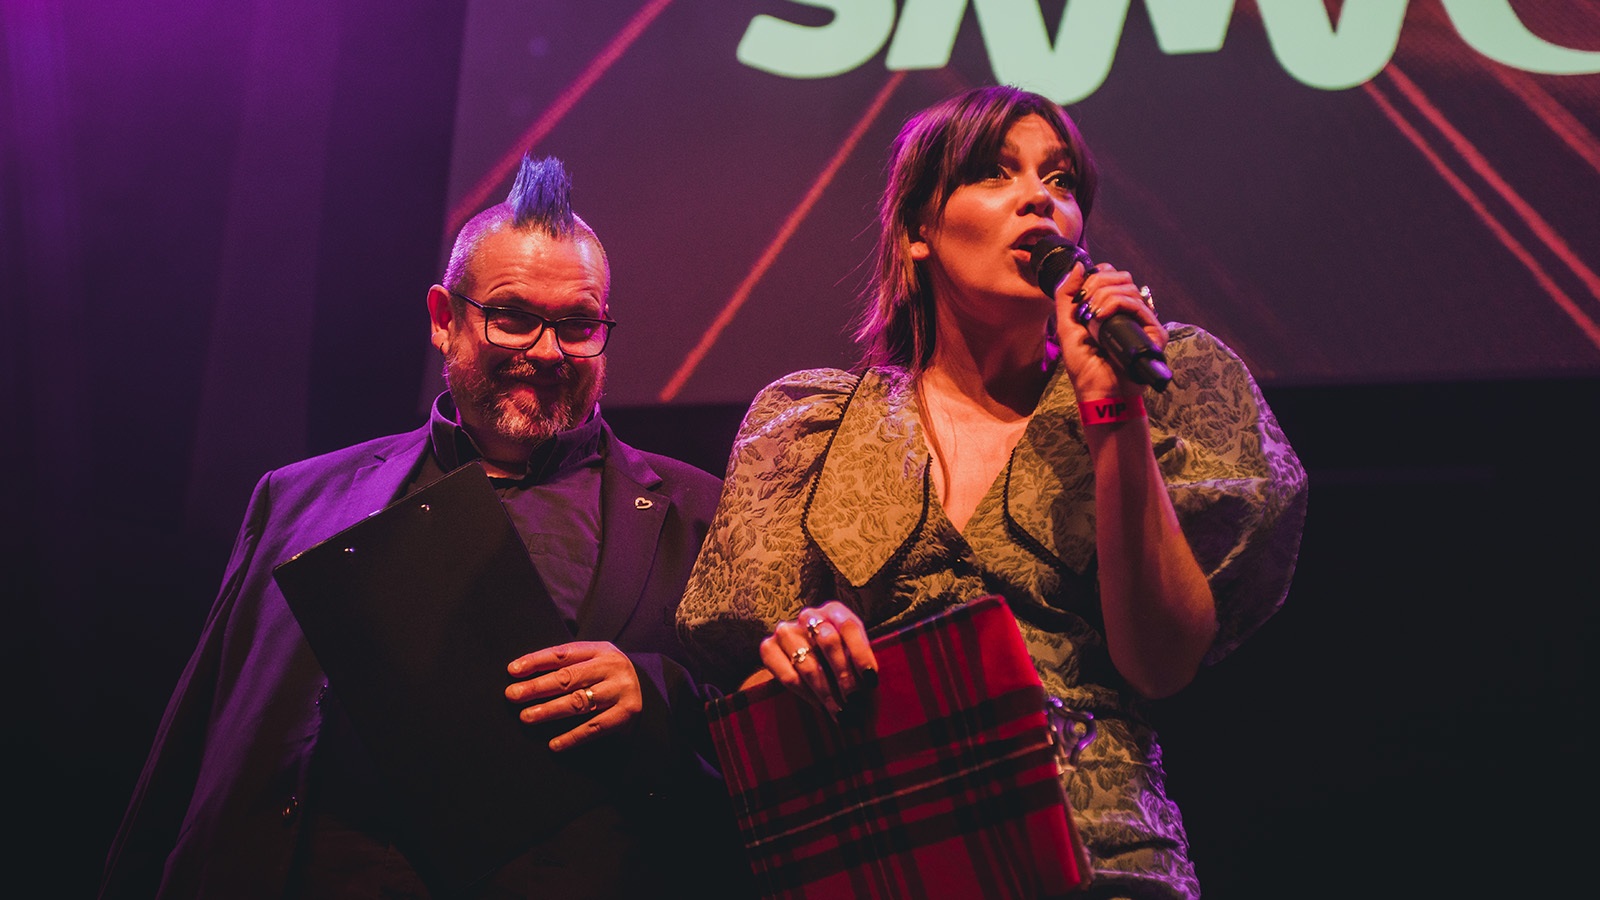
<point x="544" y="325"/>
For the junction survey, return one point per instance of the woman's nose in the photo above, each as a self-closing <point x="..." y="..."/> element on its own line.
<point x="1035" y="195"/>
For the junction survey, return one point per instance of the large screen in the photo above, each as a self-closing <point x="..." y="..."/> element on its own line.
<point x="1367" y="191"/>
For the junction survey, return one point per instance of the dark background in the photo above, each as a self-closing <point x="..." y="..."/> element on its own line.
<point x="219" y="221"/>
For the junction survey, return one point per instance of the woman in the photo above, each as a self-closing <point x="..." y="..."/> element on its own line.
<point x="956" y="463"/>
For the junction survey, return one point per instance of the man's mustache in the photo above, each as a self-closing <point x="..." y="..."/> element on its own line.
<point x="518" y="368"/>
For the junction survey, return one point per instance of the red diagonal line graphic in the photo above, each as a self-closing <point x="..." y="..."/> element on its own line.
<point x="547" y="121"/>
<point x="1584" y="323"/>
<point x="1486" y="171"/>
<point x="1550" y="111"/>
<point x="790" y="225"/>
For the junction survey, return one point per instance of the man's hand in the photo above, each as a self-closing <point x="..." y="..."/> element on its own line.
<point x="584" y="678"/>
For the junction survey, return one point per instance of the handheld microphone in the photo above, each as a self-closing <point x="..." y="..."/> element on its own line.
<point x="1121" y="335"/>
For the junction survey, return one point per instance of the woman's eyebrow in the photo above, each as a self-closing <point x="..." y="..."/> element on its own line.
<point x="1058" y="154"/>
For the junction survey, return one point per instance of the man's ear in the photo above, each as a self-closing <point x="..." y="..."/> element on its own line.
<point x="440" y="315"/>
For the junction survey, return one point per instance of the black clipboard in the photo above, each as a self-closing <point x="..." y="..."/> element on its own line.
<point x="414" y="613"/>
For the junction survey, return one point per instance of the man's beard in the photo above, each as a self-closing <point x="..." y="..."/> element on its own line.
<point x="522" y="419"/>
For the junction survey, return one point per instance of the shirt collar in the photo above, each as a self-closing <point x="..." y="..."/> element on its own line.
<point x="566" y="450"/>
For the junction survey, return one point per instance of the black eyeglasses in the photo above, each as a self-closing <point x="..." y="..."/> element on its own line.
<point x="579" y="337"/>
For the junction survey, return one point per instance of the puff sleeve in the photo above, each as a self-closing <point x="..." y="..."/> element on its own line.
<point x="1236" y="484"/>
<point x="756" y="564"/>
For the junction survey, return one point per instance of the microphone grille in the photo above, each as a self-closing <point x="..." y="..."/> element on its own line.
<point x="1052" y="258"/>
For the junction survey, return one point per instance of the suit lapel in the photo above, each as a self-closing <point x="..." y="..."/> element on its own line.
<point x="371" y="486"/>
<point x="378" y="483"/>
<point x="632" y="514"/>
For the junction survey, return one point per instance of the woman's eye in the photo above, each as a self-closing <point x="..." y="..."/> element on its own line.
<point x="1062" y="181"/>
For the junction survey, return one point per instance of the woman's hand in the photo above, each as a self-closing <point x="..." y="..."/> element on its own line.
<point x="822" y="654"/>
<point x="1102" y="292"/>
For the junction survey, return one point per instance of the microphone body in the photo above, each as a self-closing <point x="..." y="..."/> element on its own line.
<point x="1121" y="336"/>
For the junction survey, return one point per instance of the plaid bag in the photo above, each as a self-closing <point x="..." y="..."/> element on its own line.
<point x="941" y="782"/>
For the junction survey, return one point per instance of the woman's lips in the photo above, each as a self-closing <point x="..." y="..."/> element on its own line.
<point x="1033" y="236"/>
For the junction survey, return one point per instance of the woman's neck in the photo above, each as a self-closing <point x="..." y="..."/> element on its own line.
<point x="974" y="408"/>
<point x="1001" y="373"/>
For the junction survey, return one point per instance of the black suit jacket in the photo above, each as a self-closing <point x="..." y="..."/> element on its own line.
<point x="218" y="807"/>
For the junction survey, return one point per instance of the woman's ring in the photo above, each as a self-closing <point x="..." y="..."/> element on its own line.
<point x="1144" y="291"/>
<point x="811" y="627"/>
<point x="588" y="694"/>
<point x="799" y="656"/>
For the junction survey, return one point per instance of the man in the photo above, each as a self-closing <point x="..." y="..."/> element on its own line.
<point x="258" y="785"/>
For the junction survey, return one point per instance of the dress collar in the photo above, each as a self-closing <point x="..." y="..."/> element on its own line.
<point x="873" y="495"/>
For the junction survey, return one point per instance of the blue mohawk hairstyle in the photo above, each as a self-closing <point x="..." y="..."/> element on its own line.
<point x="540" y="202"/>
<point x="541" y="197"/>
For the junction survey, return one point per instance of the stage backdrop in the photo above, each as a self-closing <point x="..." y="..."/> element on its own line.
<point x="1371" y="191"/>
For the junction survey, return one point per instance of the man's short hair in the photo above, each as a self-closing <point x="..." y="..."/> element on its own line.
<point x="540" y="201"/>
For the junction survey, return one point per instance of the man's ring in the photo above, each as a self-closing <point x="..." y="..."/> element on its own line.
<point x="811" y="627"/>
<point x="588" y="694"/>
<point x="1144" y="291"/>
<point x="799" y="656"/>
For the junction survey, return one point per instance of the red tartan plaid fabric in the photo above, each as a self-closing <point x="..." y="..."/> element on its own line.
<point x="940" y="783"/>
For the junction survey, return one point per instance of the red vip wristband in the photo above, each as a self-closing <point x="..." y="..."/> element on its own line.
<point x="1111" y="409"/>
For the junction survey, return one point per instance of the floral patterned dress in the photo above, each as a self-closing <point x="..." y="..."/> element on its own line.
<point x="828" y="496"/>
